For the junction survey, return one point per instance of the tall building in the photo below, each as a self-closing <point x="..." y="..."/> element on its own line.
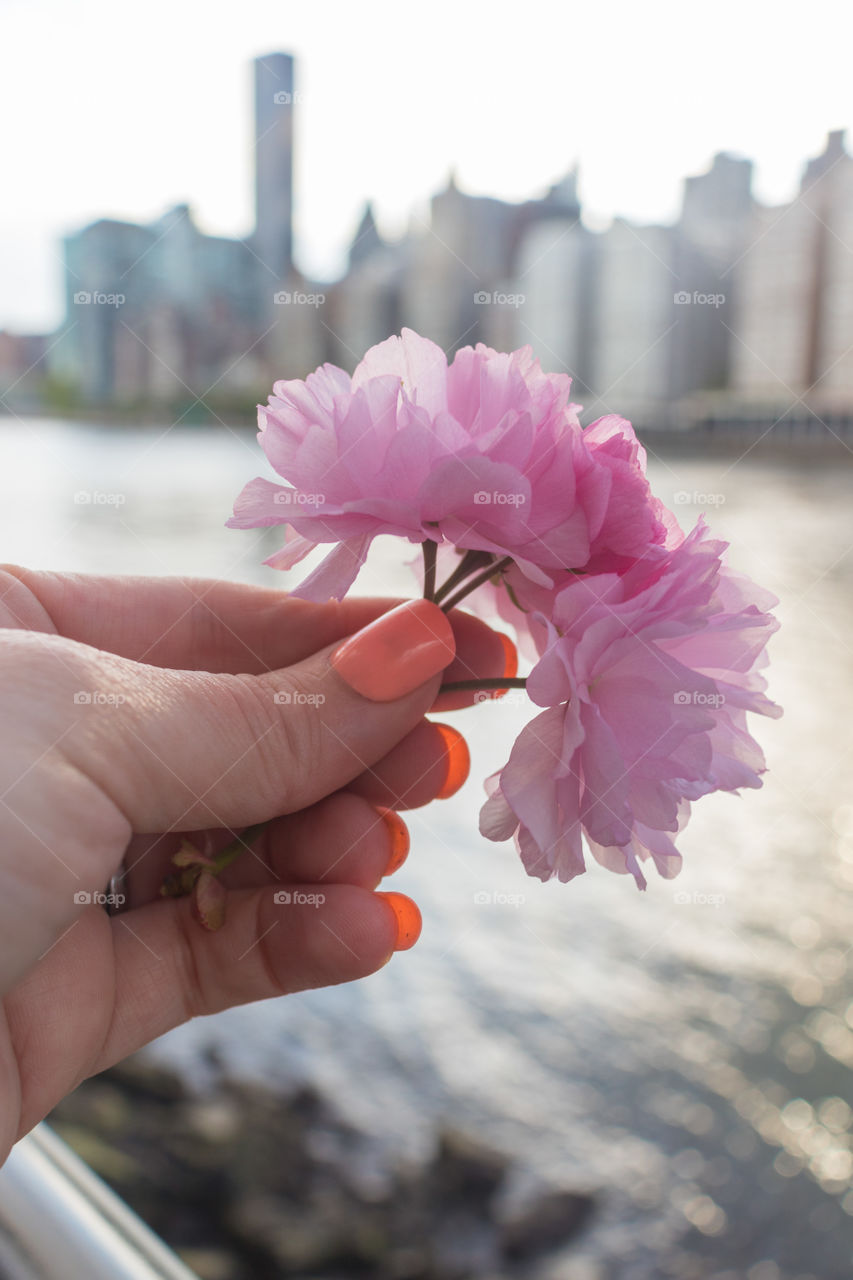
<point x="154" y="312"/>
<point x="274" y="108"/>
<point x="552" y="294"/>
<point x="828" y="194"/>
<point x="794" y="324"/>
<point x="634" y="318"/>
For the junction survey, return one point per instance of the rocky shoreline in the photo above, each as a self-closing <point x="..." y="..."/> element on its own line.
<point x="247" y="1184"/>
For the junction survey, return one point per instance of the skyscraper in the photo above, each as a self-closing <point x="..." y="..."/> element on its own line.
<point x="274" y="101"/>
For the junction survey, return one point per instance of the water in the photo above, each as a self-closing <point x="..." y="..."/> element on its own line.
<point x="688" y="1050"/>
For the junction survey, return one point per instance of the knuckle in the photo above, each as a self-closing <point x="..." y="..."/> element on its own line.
<point x="280" y="719"/>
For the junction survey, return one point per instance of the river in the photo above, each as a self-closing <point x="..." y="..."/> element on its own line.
<point x="686" y="1051"/>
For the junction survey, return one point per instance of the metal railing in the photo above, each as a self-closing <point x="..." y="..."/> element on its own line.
<point x="59" y="1220"/>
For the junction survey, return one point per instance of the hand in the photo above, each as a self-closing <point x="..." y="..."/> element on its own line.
<point x="136" y="709"/>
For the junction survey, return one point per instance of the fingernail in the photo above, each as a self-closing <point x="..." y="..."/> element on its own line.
<point x="399" y="836"/>
<point x="458" y="761"/>
<point x="408" y="919"/>
<point x="396" y="652"/>
<point x="510" y="662"/>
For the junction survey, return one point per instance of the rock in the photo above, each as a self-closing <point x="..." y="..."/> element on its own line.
<point x="465" y="1169"/>
<point x="209" y="1264"/>
<point x="546" y="1224"/>
<point x="250" y="1184"/>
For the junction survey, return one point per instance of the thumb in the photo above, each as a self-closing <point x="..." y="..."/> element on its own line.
<point x="190" y="750"/>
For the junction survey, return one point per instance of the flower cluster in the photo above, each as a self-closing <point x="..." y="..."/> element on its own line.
<point x="647" y="648"/>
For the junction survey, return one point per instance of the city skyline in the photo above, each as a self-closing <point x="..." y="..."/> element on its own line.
<point x="167" y="122"/>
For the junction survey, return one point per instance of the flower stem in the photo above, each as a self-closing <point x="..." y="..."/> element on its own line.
<point x="490" y="682"/>
<point x="429" y="569"/>
<point x="233" y="850"/>
<point x="466" y="590"/>
<point x="471" y="561"/>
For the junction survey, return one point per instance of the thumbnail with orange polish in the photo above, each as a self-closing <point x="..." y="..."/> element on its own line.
<point x="409" y="921"/>
<point x="399" y="836"/>
<point x="396" y="652"/>
<point x="458" y="761"/>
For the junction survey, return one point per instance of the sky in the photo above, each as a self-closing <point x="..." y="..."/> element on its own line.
<point x="115" y="110"/>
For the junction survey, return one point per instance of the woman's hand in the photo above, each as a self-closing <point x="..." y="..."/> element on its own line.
<point x="137" y="709"/>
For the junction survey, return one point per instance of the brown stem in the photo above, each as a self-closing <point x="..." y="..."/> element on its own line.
<point x="490" y="682"/>
<point x="429" y="569"/>
<point x="471" y="561"/>
<point x="472" y="585"/>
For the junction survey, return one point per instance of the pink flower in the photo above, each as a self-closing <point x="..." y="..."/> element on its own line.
<point x="646" y="679"/>
<point x="486" y="454"/>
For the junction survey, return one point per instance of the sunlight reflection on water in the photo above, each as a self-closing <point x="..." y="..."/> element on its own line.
<point x="686" y="1050"/>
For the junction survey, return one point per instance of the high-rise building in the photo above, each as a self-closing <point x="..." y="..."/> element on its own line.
<point x="634" y="317"/>
<point x="794" y="323"/>
<point x="274" y="109"/>
<point x="550" y="297"/>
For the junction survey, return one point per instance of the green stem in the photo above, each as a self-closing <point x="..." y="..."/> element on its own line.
<point x="496" y="568"/>
<point x="429" y="569"/>
<point x="233" y="850"/>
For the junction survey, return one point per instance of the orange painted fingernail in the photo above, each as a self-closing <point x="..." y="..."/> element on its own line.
<point x="510" y="661"/>
<point x="408" y="917"/>
<point x="396" y="652"/>
<point x="400" y="843"/>
<point x="458" y="761"/>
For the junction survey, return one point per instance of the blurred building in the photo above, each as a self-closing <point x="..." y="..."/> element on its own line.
<point x="733" y="305"/>
<point x="635" y="284"/>
<point x="165" y="312"/>
<point x="794" y="323"/>
<point x="154" y="311"/>
<point x="273" y="150"/>
<point x="21" y="364"/>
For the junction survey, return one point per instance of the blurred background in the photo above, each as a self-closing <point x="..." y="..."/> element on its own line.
<point x="573" y="1082"/>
